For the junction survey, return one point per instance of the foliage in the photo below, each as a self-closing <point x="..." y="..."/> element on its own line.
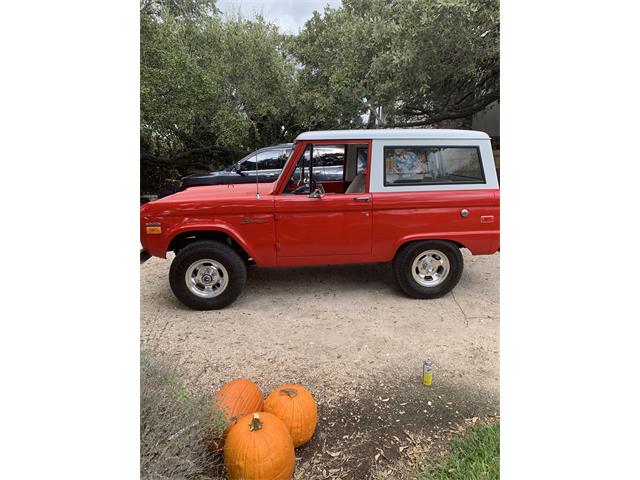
<point x="422" y="61"/>
<point x="173" y="424"/>
<point x="187" y="9"/>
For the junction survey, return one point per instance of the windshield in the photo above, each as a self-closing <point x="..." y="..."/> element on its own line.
<point x="293" y="149"/>
<point x="236" y="165"/>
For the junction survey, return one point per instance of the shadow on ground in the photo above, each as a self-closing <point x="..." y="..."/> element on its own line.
<point x="355" y="433"/>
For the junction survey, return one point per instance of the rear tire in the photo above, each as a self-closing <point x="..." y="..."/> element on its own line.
<point x="207" y="275"/>
<point x="428" y="269"/>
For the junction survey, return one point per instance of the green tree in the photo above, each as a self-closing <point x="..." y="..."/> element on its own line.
<point x="211" y="90"/>
<point x="422" y="61"/>
<point x="258" y="82"/>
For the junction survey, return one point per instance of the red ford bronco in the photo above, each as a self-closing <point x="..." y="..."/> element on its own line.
<point x="412" y="197"/>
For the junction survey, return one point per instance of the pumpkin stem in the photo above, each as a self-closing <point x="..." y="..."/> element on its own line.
<point x="292" y="392"/>
<point x="255" y="424"/>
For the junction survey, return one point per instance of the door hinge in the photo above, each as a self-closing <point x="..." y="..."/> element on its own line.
<point x="277" y="246"/>
<point x="276" y="216"/>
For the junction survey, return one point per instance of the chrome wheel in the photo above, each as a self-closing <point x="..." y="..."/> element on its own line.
<point x="206" y="278"/>
<point x="430" y="268"/>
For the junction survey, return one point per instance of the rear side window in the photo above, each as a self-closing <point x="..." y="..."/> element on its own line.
<point x="432" y="165"/>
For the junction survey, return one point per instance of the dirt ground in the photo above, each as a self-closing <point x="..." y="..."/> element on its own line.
<point x="351" y="337"/>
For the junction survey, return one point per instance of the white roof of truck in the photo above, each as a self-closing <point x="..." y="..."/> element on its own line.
<point x="394" y="133"/>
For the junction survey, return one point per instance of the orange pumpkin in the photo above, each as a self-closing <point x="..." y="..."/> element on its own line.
<point x="259" y="447"/>
<point x="235" y="399"/>
<point x="294" y="405"/>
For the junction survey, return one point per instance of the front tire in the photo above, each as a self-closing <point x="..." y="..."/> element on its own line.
<point x="428" y="269"/>
<point x="207" y="275"/>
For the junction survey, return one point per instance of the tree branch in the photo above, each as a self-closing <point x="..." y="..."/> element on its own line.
<point x="431" y="118"/>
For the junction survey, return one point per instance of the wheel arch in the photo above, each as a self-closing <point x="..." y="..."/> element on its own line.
<point x="185" y="237"/>
<point x="408" y="241"/>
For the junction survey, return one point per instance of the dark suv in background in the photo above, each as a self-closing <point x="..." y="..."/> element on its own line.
<point x="270" y="161"/>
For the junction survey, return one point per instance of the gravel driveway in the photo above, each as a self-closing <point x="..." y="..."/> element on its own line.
<point x="350" y="336"/>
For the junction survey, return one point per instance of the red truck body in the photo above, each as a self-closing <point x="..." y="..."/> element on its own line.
<point x="271" y="227"/>
<point x="280" y="233"/>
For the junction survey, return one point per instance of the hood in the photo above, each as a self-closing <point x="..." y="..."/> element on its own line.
<point x="210" y="200"/>
<point x="232" y="190"/>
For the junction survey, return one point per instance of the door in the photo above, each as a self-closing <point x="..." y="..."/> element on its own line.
<point x="335" y="224"/>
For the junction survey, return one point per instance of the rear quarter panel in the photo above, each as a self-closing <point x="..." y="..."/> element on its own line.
<point x="402" y="217"/>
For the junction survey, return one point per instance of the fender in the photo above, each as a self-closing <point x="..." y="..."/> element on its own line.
<point x="217" y="226"/>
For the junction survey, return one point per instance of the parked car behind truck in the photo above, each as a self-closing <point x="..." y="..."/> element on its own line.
<point x="265" y="163"/>
<point x="421" y="196"/>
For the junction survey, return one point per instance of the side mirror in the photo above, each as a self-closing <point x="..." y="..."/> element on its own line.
<point x="318" y="192"/>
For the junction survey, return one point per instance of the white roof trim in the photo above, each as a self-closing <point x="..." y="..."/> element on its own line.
<point x="391" y="133"/>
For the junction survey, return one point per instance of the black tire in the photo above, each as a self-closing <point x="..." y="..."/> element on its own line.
<point x="205" y="249"/>
<point x="403" y="262"/>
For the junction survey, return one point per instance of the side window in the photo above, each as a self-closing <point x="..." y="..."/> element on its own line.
<point x="249" y="165"/>
<point x="425" y="165"/>
<point x="328" y="166"/>
<point x="273" y="160"/>
<point x="281" y="161"/>
<point x="330" y="162"/>
<point x="269" y="160"/>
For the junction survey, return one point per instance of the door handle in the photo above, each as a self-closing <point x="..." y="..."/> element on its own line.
<point x="361" y="199"/>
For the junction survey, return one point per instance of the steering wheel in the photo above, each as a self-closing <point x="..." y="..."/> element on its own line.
<point x="304" y="188"/>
